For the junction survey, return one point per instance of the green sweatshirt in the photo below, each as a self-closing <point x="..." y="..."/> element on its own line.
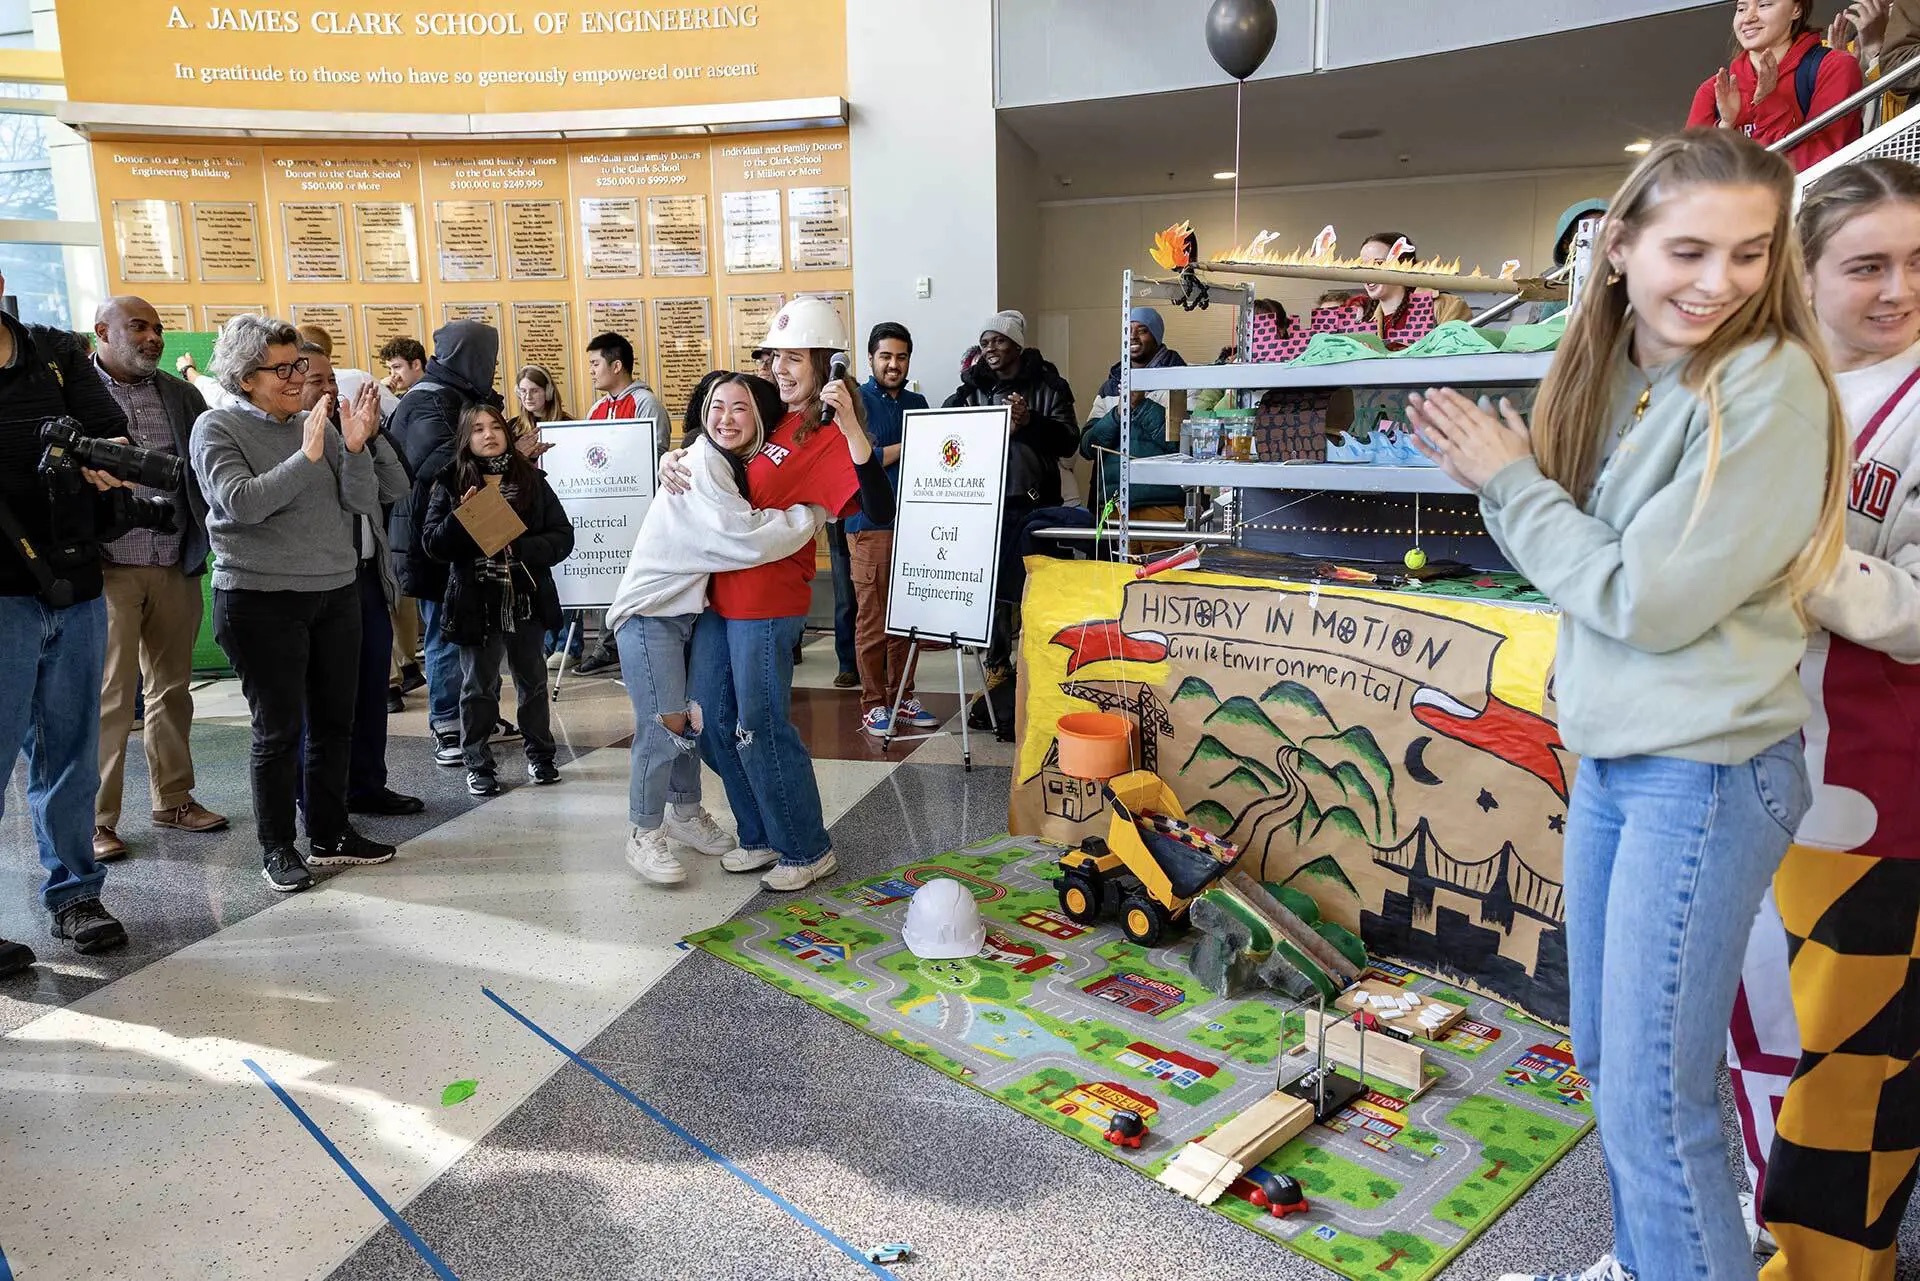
<point x="1671" y="645"/>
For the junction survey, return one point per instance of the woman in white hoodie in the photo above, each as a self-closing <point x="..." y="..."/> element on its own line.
<point x="1826" y="1030"/>
<point x="685" y="540"/>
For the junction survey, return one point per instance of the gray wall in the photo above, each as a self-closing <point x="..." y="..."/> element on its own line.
<point x="1069" y="50"/>
<point x="925" y="161"/>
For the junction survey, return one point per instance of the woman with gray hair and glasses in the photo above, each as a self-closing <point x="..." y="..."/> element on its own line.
<point x="284" y="493"/>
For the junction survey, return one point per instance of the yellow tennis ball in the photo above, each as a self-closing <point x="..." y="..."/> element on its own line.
<point x="1416" y="559"/>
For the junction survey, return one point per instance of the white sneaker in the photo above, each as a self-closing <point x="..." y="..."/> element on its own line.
<point x="559" y="661"/>
<point x="649" y="855"/>
<point x="1607" y="1269"/>
<point x="788" y="877"/>
<point x="749" y="860"/>
<point x="699" y="833"/>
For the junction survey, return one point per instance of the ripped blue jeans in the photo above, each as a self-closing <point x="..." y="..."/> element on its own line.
<point x="665" y="765"/>
<point x="742" y="678"/>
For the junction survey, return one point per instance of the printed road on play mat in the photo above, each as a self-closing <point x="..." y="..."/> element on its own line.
<point x="1067" y="1023"/>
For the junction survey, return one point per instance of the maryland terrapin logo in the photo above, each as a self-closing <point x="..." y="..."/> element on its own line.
<point x="597" y="457"/>
<point x="950" y="455"/>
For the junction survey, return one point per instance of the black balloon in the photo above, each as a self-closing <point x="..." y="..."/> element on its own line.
<point x="1240" y="34"/>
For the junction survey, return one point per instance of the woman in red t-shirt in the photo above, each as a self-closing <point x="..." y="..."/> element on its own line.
<point x="1759" y="93"/>
<point x="740" y="667"/>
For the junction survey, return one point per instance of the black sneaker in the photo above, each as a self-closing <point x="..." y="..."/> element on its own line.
<point x="481" y="782"/>
<point x="504" y="728"/>
<point x="90" y="926"/>
<point x="598" y="661"/>
<point x="447" y="748"/>
<point x="543" y="772"/>
<point x="282" y="870"/>
<point x="396" y="702"/>
<point x="14" y="957"/>
<point x="411" y="678"/>
<point x="387" y="803"/>
<point x="351" y="850"/>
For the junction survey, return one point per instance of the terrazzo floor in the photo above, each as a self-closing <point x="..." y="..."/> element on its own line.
<point x="136" y="1142"/>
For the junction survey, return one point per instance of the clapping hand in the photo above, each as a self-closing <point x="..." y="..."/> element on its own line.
<point x="1726" y="98"/>
<point x="313" y="434"/>
<point x="1868" y="18"/>
<point x="360" y="418"/>
<point x="1767" y="69"/>
<point x="1017" y="408"/>
<point x="1467" y="439"/>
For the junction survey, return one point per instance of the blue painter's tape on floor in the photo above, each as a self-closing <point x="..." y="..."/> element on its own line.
<point x="425" y="1251"/>
<point x="679" y="1132"/>
<point x="6" y="1273"/>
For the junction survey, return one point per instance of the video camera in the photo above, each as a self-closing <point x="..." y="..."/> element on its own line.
<point x="75" y="531"/>
<point x="68" y="451"/>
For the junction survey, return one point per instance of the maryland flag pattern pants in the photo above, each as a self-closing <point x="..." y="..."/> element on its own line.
<point x="1846" y="1118"/>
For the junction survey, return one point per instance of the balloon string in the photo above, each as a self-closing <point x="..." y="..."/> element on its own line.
<point x="1239" y="97"/>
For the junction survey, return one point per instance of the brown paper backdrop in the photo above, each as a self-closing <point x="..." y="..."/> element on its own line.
<point x="1393" y="756"/>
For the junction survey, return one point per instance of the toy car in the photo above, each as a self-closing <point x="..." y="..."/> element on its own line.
<point x="891" y="1252"/>
<point x="1127" y="1129"/>
<point x="1278" y="1194"/>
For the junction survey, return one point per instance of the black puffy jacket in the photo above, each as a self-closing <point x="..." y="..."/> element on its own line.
<point x="471" y="607"/>
<point x="460" y="374"/>
<point x="1052" y="430"/>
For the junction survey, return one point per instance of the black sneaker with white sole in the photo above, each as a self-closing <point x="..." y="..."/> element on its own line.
<point x="282" y="870"/>
<point x="542" y="773"/>
<point x="505" y="729"/>
<point x="350" y="850"/>
<point x="447" y="748"/>
<point x="482" y="782"/>
<point x="90" y="926"/>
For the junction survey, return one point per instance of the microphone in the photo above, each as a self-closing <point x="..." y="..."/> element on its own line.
<point x="835" y="371"/>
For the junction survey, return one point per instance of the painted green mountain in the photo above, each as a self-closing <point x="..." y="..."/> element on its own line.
<point x="1194" y="688"/>
<point x="1211" y="750"/>
<point x="1297" y="697"/>
<point x="1243" y="711"/>
<point x="1348" y="780"/>
<point x="1361" y="768"/>
<point x="1212" y="816"/>
<point x="1325" y="869"/>
<point x="1336" y="822"/>
<point x="1242" y="778"/>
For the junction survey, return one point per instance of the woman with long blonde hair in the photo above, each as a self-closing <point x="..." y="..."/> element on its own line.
<point x="1680" y="492"/>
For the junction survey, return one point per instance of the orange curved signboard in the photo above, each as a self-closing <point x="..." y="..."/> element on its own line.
<point x="433" y="56"/>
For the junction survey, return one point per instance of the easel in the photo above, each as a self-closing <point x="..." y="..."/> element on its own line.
<point x="566" y="647"/>
<point x="960" y="651"/>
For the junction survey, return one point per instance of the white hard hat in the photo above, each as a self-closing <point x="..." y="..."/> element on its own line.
<point x="943" y="922"/>
<point x="807" y="322"/>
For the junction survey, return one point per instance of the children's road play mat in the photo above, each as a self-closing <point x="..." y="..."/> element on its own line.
<point x="1068" y="1023"/>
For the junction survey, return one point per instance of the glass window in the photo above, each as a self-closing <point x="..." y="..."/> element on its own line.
<point x="57" y="285"/>
<point x="26" y="168"/>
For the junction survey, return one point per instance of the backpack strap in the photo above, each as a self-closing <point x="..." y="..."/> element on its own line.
<point x="1806" y="76"/>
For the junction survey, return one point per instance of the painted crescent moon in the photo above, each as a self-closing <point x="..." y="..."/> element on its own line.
<point x="1417" y="763"/>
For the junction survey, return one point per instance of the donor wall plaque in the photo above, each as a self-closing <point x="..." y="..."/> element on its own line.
<point x="536" y="240"/>
<point x="467" y="240"/>
<point x="315" y="237"/>
<point x="226" y="241"/>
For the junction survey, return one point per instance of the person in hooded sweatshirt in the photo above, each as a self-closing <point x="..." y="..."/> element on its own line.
<point x="1765" y="94"/>
<point x="460" y="374"/>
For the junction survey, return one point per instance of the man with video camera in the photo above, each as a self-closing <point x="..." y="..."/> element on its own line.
<point x="63" y="491"/>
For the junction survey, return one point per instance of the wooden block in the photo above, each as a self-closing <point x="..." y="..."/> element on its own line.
<point x="1388" y="1057"/>
<point x="1203" y="1171"/>
<point x="1372" y="994"/>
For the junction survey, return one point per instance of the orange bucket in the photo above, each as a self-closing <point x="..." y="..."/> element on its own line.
<point x="1095" y="745"/>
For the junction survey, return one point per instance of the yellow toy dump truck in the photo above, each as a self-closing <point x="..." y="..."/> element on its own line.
<point x="1149" y="866"/>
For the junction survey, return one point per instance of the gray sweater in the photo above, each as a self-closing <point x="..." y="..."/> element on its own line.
<point x="1677" y="642"/>
<point x="278" y="522"/>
